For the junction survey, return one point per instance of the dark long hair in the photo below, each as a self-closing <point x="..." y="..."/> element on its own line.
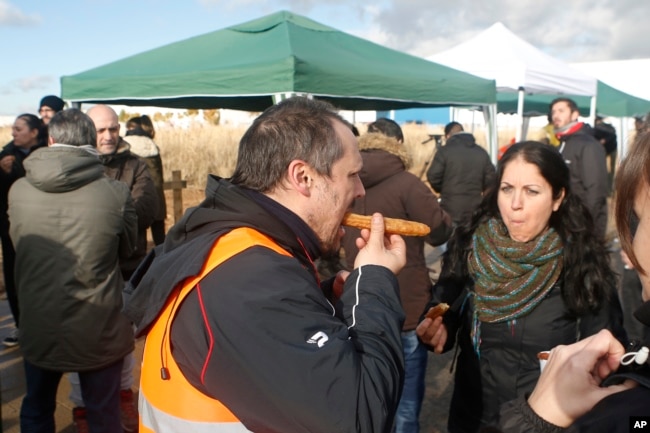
<point x="588" y="278"/>
<point x="34" y="122"/>
<point x="144" y="124"/>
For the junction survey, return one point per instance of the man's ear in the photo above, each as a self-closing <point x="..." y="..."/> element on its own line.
<point x="300" y="176"/>
<point x="50" y="141"/>
<point x="575" y="115"/>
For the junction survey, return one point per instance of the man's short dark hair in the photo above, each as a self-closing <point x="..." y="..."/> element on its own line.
<point x="296" y="128"/>
<point x="570" y="102"/>
<point x="388" y="127"/>
<point x="72" y="127"/>
<point x="452" y="128"/>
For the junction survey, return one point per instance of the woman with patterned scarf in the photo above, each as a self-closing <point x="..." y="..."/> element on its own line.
<point x="525" y="274"/>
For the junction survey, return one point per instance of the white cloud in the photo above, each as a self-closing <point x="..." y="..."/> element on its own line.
<point x="574" y="30"/>
<point x="35" y="82"/>
<point x="27" y="84"/>
<point x="10" y="15"/>
<point x="570" y="30"/>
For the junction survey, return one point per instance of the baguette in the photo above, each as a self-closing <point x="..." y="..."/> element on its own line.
<point x="437" y="311"/>
<point x="392" y="225"/>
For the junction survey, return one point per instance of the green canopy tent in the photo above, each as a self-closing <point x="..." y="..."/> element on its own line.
<point x="610" y="102"/>
<point x="248" y="66"/>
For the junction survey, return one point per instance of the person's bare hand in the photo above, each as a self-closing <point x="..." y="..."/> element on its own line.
<point x="6" y="163"/>
<point x="569" y="386"/>
<point x="377" y="249"/>
<point x="433" y="333"/>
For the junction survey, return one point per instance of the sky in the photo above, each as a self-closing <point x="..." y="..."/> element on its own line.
<point x="41" y="41"/>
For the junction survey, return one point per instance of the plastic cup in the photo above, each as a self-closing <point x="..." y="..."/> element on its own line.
<point x="543" y="358"/>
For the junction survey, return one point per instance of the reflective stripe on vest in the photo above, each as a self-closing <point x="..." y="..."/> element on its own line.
<point x="174" y="405"/>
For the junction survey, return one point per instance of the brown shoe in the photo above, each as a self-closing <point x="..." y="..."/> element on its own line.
<point x="128" y="411"/>
<point x="79" y="420"/>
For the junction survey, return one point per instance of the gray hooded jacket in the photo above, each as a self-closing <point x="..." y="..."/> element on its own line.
<point x="69" y="223"/>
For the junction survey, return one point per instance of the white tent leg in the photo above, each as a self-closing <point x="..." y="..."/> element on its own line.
<point x="278" y="97"/>
<point x="490" y="116"/>
<point x="524" y="128"/>
<point x="520" y="112"/>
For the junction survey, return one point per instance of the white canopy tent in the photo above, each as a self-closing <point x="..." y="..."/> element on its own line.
<point x="629" y="76"/>
<point x="517" y="66"/>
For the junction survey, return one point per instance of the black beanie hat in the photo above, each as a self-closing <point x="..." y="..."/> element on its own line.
<point x="54" y="102"/>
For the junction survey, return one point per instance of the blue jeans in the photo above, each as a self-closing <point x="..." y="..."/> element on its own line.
<point x="415" y="365"/>
<point x="100" y="390"/>
<point x="126" y="380"/>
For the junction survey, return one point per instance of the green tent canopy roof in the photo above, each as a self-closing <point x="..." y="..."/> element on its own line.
<point x="609" y="102"/>
<point x="243" y="66"/>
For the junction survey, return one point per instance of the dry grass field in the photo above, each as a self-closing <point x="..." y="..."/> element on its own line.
<point x="212" y="149"/>
<point x="202" y="150"/>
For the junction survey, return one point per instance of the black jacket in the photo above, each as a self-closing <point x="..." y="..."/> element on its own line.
<point x="606" y="134"/>
<point x="610" y="415"/>
<point x="7" y="179"/>
<point x="461" y="170"/>
<point x="261" y="308"/>
<point x="508" y="366"/>
<point x="588" y="170"/>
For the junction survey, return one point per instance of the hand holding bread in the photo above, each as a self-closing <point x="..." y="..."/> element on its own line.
<point x="437" y="311"/>
<point x="433" y="332"/>
<point x="378" y="248"/>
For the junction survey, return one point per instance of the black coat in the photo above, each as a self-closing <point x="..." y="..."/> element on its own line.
<point x="606" y="134"/>
<point x="585" y="157"/>
<point x="508" y="366"/>
<point x="460" y="172"/>
<point x="610" y="415"/>
<point x="7" y="179"/>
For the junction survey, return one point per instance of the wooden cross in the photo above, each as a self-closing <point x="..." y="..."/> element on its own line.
<point x="176" y="185"/>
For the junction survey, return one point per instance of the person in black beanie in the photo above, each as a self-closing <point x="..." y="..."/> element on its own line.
<point x="49" y="106"/>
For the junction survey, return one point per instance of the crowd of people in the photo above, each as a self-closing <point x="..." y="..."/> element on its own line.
<point x="243" y="333"/>
<point x="70" y="241"/>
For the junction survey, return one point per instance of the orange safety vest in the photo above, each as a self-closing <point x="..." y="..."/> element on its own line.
<point x="174" y="405"/>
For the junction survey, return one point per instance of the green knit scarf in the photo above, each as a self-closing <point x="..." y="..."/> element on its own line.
<point x="511" y="278"/>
